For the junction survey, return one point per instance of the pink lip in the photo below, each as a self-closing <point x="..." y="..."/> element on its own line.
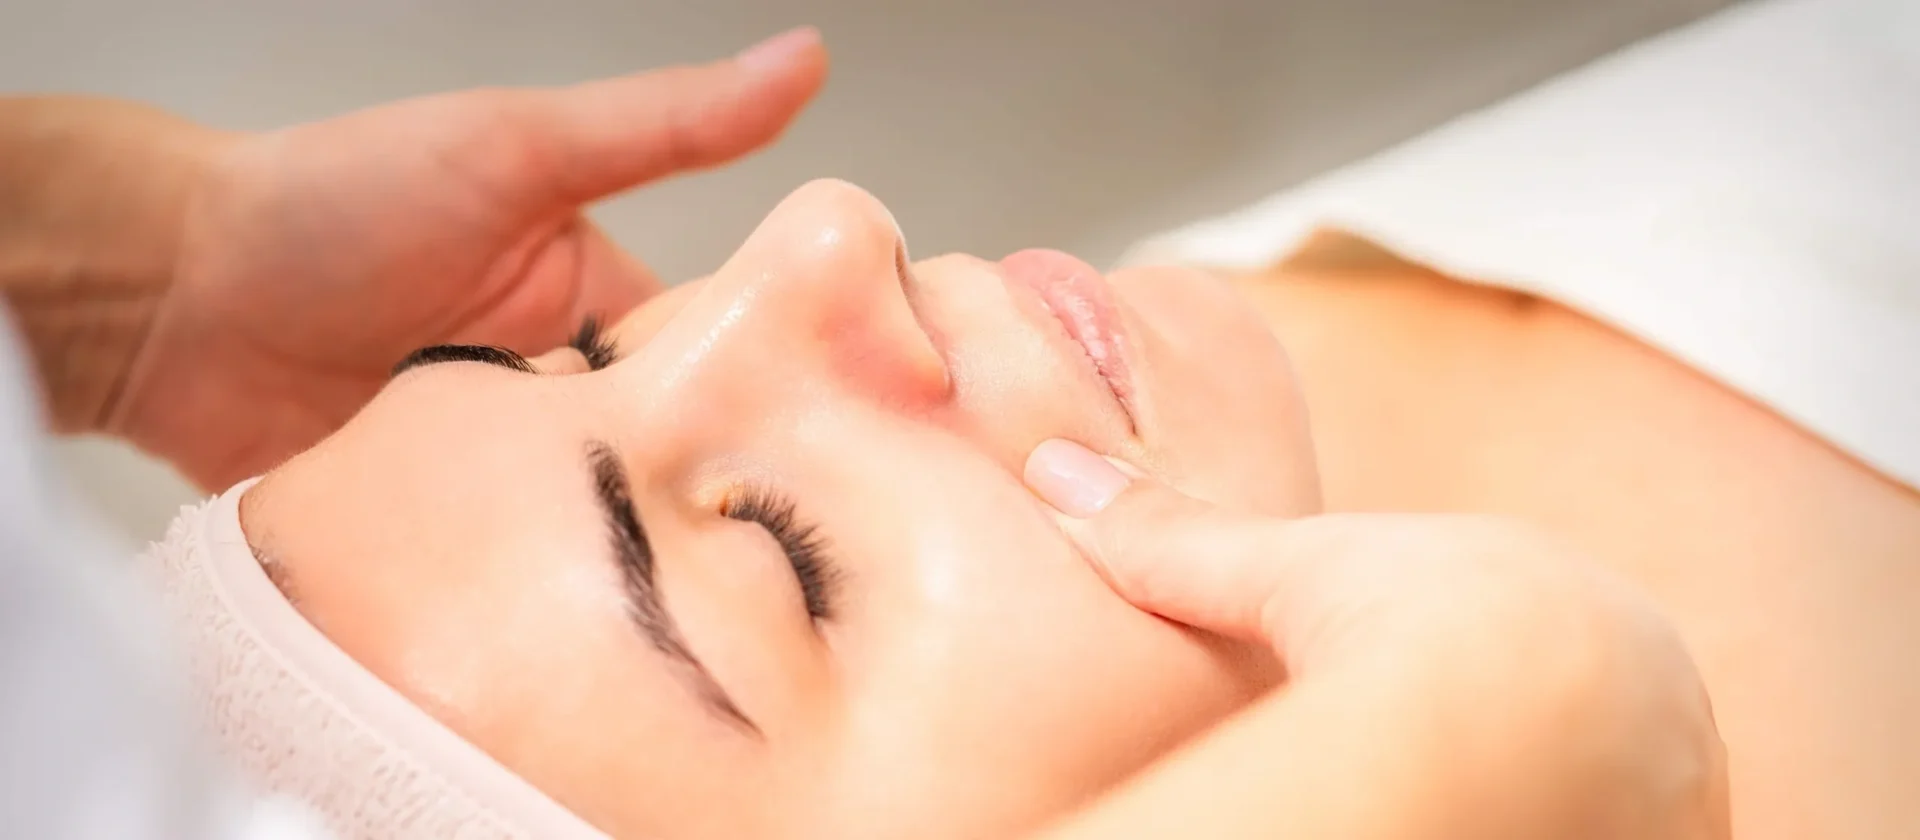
<point x="1078" y="297"/>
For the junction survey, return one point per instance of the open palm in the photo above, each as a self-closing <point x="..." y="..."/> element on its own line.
<point x="317" y="256"/>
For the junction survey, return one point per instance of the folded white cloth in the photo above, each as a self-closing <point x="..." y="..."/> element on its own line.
<point x="307" y="722"/>
<point x="1742" y="194"/>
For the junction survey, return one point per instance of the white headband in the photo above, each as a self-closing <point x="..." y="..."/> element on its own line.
<point x="306" y="721"/>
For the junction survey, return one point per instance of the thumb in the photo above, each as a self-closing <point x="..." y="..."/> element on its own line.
<point x="1167" y="552"/>
<point x="1315" y="589"/>
<point x="606" y="136"/>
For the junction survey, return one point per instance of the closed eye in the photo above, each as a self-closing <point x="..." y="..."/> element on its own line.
<point x="483" y="353"/>
<point x="806" y="551"/>
<point x="590" y="339"/>
<point x="593" y="342"/>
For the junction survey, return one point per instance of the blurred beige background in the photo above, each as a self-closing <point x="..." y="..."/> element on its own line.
<point x="987" y="125"/>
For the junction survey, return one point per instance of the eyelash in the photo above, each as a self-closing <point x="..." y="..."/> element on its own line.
<point x="804" y="547"/>
<point x="802" y="543"/>
<point x="594" y="343"/>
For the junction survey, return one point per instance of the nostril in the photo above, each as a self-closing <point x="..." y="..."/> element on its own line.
<point x="901" y="268"/>
<point x="912" y="292"/>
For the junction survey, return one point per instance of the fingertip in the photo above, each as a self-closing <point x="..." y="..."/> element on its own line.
<point x="799" y="47"/>
<point x="1074" y="479"/>
<point x="772" y="82"/>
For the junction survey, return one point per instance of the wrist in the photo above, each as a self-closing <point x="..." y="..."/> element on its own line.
<point x="93" y="195"/>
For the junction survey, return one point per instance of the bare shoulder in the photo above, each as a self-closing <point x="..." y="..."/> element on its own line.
<point x="1793" y="570"/>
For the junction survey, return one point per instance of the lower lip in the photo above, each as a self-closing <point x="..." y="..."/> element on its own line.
<point x="1080" y="300"/>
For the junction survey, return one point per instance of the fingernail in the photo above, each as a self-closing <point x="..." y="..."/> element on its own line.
<point x="1073" y="478"/>
<point x="777" y="51"/>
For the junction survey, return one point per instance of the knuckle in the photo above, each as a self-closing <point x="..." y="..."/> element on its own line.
<point x="1139" y="538"/>
<point x="1143" y="583"/>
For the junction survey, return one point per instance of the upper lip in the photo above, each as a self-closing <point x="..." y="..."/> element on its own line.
<point x="1081" y="305"/>
<point x="1046" y="318"/>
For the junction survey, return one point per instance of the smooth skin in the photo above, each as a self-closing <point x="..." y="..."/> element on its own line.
<point x="971" y="677"/>
<point x="1448" y="676"/>
<point x="977" y="675"/>
<point x="1788" y="566"/>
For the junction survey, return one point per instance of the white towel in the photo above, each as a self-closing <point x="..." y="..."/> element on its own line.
<point x="307" y="722"/>
<point x="1742" y="194"/>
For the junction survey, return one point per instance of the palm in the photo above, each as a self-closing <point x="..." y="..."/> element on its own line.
<point x="371" y="256"/>
<point x="315" y="264"/>
<point x="320" y="255"/>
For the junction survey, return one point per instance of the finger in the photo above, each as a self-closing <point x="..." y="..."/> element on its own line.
<point x="612" y="283"/>
<point x="1315" y="589"/>
<point x="606" y="136"/>
<point x="1162" y="550"/>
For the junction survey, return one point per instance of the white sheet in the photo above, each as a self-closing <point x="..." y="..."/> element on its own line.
<point x="1742" y="193"/>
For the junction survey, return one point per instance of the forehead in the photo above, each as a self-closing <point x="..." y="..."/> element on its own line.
<point x="434" y="497"/>
<point x="449" y="541"/>
<point x="443" y="532"/>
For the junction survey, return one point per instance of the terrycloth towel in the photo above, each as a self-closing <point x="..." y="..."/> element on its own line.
<point x="1742" y="194"/>
<point x="307" y="722"/>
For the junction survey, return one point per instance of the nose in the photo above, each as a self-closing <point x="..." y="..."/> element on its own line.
<point x="819" y="296"/>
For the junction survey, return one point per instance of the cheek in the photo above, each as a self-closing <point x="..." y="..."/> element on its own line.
<point x="992" y="667"/>
<point x="1229" y="422"/>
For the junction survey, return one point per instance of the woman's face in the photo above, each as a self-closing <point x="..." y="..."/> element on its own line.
<point x="771" y="571"/>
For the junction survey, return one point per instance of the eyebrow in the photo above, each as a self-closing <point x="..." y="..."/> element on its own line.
<point x="634" y="555"/>
<point x="440" y="353"/>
